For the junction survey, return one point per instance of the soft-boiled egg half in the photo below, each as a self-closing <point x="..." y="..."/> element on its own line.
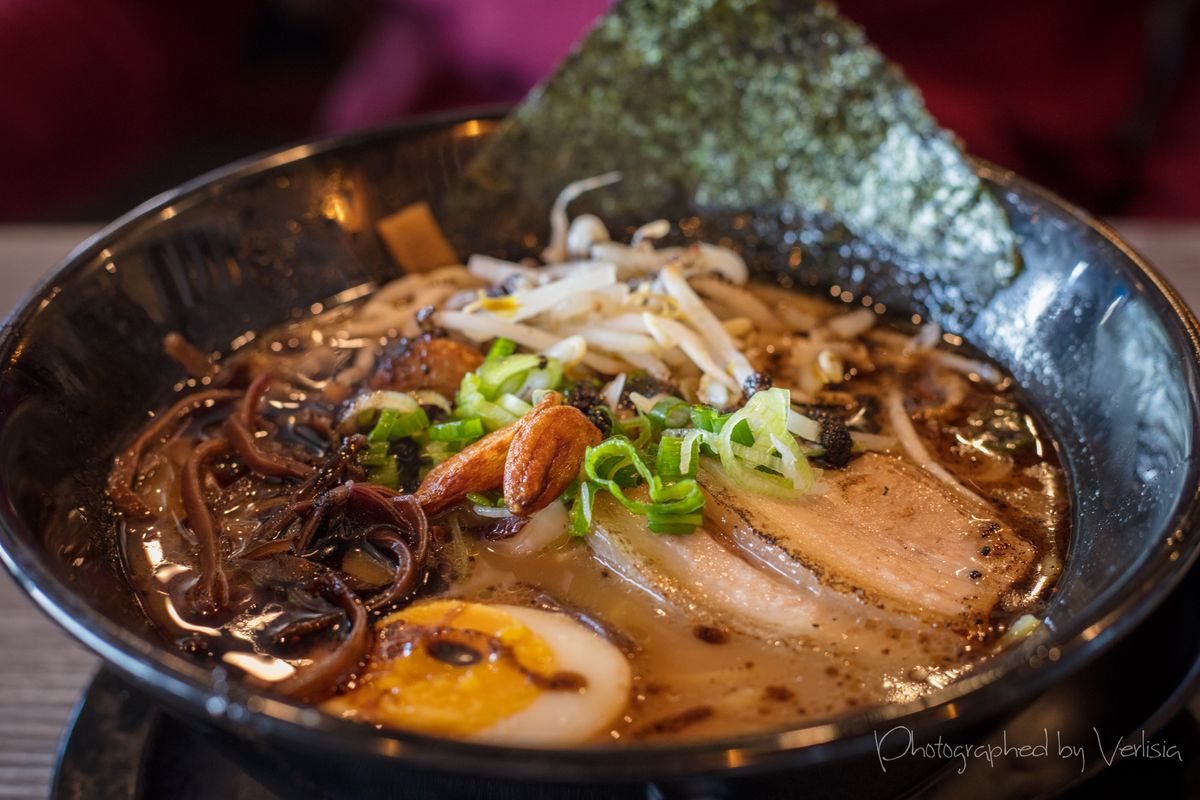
<point x="490" y="673"/>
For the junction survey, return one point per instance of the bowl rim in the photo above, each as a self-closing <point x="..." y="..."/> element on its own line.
<point x="194" y="690"/>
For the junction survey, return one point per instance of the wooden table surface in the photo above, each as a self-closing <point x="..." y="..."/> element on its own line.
<point x="43" y="671"/>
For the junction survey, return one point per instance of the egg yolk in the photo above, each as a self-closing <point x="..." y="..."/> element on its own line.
<point x="450" y="693"/>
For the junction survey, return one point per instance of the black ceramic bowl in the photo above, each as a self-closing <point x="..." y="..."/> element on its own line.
<point x="1102" y="346"/>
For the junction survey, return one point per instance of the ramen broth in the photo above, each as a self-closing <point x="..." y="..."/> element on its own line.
<point x="297" y="553"/>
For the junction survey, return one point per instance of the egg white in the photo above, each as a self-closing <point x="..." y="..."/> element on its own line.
<point x="566" y="718"/>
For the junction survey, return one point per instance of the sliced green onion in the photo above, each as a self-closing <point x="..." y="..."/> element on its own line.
<point x="605" y="460"/>
<point x="383" y="427"/>
<point x="514" y="405"/>
<point x="408" y="424"/>
<point x="759" y="459"/>
<point x="463" y="430"/>
<point x="678" y="497"/>
<point x="795" y="463"/>
<point x="500" y="390"/>
<point x="436" y="453"/>
<point x="620" y="469"/>
<point x="494" y="417"/>
<point x="393" y="425"/>
<point x="581" y="509"/>
<point x="708" y="419"/>
<point x="607" y="413"/>
<point x="772" y="463"/>
<point x="506" y="374"/>
<point x="428" y="397"/>
<point x="500" y="348"/>
<point x="542" y="379"/>
<point x="678" y="454"/>
<point x="468" y="388"/>
<point x="479" y="499"/>
<point x="674" y="523"/>
<point x="366" y="408"/>
<point x="376" y="455"/>
<point x="381" y="465"/>
<point x="637" y="429"/>
<point x="742" y="433"/>
<point x="670" y="412"/>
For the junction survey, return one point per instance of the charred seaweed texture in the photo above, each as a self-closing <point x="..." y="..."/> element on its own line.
<point x="778" y="107"/>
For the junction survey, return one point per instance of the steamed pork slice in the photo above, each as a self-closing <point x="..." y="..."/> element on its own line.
<point x="711" y="585"/>
<point x="883" y="529"/>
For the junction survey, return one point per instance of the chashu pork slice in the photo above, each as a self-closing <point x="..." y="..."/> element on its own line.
<point x="884" y="530"/>
<point x="712" y="585"/>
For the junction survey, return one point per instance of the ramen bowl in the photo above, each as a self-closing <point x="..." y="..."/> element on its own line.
<point x="1102" y="347"/>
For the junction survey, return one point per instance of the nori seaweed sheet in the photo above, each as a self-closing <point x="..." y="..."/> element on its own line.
<point x="774" y="121"/>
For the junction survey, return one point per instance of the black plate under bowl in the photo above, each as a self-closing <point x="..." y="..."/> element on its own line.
<point x="1101" y="345"/>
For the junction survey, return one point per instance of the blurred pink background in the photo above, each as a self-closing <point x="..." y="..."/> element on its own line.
<point x="104" y="102"/>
